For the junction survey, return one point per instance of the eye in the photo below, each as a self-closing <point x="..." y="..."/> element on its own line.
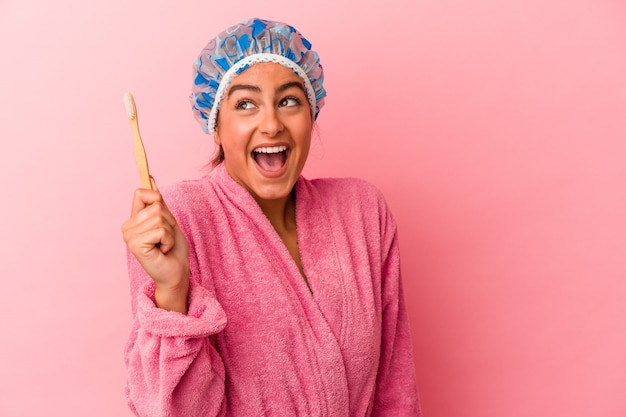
<point x="289" y="102"/>
<point x="245" y="105"/>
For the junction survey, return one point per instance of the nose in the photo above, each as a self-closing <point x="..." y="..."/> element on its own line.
<point x="271" y="125"/>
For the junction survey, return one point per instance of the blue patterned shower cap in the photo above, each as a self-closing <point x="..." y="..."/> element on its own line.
<point x="240" y="46"/>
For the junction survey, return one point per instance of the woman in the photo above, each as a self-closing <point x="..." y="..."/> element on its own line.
<point x="254" y="290"/>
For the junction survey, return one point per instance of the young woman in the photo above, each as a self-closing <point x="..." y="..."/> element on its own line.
<point x="255" y="291"/>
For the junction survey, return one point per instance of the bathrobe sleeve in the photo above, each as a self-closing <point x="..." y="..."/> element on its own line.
<point x="173" y="368"/>
<point x="396" y="387"/>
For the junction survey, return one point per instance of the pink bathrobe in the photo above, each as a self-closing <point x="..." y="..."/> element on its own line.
<point x="257" y="341"/>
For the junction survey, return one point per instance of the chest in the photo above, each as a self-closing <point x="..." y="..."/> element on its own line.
<point x="261" y="285"/>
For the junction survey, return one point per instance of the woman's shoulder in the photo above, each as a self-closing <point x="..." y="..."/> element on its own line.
<point x="184" y="190"/>
<point x="348" y="188"/>
<point x="188" y="195"/>
<point x="350" y="194"/>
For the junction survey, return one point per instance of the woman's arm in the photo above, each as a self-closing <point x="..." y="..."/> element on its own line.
<point x="173" y="369"/>
<point x="396" y="387"/>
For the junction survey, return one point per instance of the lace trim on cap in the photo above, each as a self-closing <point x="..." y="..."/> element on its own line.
<point x="255" y="59"/>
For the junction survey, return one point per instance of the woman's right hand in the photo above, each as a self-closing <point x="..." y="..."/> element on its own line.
<point x="161" y="248"/>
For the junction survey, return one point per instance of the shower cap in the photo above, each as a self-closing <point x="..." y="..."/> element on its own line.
<point x="245" y="44"/>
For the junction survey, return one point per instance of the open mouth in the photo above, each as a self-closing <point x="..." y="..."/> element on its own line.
<point x="270" y="158"/>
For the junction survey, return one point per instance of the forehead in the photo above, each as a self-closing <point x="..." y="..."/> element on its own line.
<point x="266" y="74"/>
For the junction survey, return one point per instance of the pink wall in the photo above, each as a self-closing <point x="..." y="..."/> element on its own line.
<point x="496" y="130"/>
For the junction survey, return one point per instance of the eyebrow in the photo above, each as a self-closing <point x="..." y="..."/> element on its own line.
<point x="289" y="85"/>
<point x="236" y="87"/>
<point x="257" y="89"/>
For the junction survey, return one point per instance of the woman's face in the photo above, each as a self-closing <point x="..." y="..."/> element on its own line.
<point x="264" y="127"/>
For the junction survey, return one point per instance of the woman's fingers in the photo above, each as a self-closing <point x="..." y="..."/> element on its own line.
<point x="153" y="215"/>
<point x="143" y="198"/>
<point x="151" y="234"/>
<point x="151" y="224"/>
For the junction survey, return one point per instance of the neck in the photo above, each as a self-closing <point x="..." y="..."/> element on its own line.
<point x="281" y="213"/>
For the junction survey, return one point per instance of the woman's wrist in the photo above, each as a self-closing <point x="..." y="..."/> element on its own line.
<point x="173" y="298"/>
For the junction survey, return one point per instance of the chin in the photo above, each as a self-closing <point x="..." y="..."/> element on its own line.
<point x="272" y="192"/>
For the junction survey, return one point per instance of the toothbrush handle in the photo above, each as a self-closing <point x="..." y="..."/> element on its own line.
<point x="140" y="157"/>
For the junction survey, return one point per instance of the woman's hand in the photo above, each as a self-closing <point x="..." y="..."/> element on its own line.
<point x="157" y="242"/>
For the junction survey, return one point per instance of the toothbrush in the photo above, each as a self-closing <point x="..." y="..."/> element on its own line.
<point x="140" y="153"/>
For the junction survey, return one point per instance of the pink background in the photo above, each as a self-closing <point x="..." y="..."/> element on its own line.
<point x="496" y="129"/>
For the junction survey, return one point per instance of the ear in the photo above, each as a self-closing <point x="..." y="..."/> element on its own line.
<point x="216" y="138"/>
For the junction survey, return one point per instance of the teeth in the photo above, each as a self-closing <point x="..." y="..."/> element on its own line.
<point x="271" y="149"/>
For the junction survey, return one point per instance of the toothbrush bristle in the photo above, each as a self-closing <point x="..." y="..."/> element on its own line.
<point x="129" y="103"/>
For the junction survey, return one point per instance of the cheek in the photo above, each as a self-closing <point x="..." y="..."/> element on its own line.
<point x="304" y="132"/>
<point x="233" y="134"/>
<point x="235" y="145"/>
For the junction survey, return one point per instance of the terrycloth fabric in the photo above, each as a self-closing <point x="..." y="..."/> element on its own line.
<point x="257" y="341"/>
